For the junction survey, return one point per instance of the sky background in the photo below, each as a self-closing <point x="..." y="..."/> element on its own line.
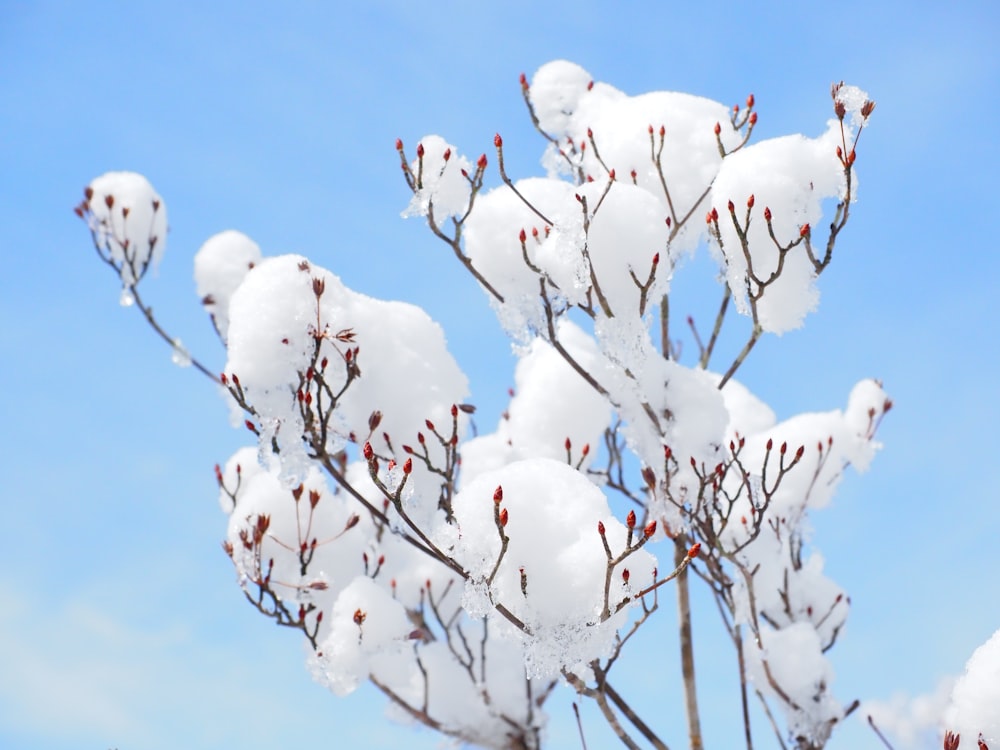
<point x="120" y="621"/>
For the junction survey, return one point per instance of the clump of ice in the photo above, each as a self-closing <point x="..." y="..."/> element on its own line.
<point x="220" y="266"/>
<point x="129" y="220"/>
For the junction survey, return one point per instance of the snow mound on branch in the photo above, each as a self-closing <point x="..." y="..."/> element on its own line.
<point x="442" y="182"/>
<point x="556" y="91"/>
<point x="369" y="630"/>
<point x="129" y="217"/>
<point x="551" y="404"/>
<point x="220" y="266"/>
<point x="792" y="176"/>
<point x="554" y="512"/>
<point x="279" y="329"/>
<point x="975" y="699"/>
<point x="795" y="660"/>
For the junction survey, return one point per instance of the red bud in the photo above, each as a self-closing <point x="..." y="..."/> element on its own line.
<point x="503" y="517"/>
<point x="481" y="162"/>
<point x="399" y="144"/>
<point x="630" y="520"/>
<point x="750" y="101"/>
<point x="408" y="466"/>
<point x="367" y="451"/>
<point x="600" y="528"/>
<point x="750" y="201"/>
<point x="420" y="151"/>
<point x="497" y="141"/>
<point x="625" y="575"/>
<point x="498" y="494"/>
<point x="717" y="129"/>
<point x="650" y="529"/>
<point x="695" y="549"/>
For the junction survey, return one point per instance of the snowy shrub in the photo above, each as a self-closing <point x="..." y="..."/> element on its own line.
<point x="467" y="576"/>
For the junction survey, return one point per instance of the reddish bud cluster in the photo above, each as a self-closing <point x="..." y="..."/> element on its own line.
<point x="408" y="466"/>
<point x="625" y="575"/>
<point x="481" y="161"/>
<point x="498" y="141"/>
<point x="750" y="101"/>
<point x="600" y="528"/>
<point x="753" y="118"/>
<point x="368" y="452"/>
<point x="750" y="201"/>
<point x="420" y="151"/>
<point x="804" y="230"/>
<point x="503" y="517"/>
<point x="630" y="520"/>
<point x="717" y="129"/>
<point x="767" y="213"/>
<point x="359" y="617"/>
<point x="695" y="549"/>
<point x="650" y="529"/>
<point x="498" y="494"/>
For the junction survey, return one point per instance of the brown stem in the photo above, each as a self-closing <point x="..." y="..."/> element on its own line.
<point x="687" y="650"/>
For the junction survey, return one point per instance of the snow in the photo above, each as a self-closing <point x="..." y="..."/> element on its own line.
<point x="129" y="220"/>
<point x="220" y="266"/>
<point x="976" y="696"/>
<point x="554" y="512"/>
<point x="579" y="259"/>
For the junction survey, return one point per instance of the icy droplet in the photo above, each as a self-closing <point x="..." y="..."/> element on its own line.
<point x="180" y="357"/>
<point x="127" y="299"/>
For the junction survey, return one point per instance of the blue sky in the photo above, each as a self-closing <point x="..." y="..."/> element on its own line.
<point x="121" y="625"/>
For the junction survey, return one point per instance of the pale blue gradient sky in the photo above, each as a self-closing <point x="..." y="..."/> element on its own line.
<point x="121" y="625"/>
